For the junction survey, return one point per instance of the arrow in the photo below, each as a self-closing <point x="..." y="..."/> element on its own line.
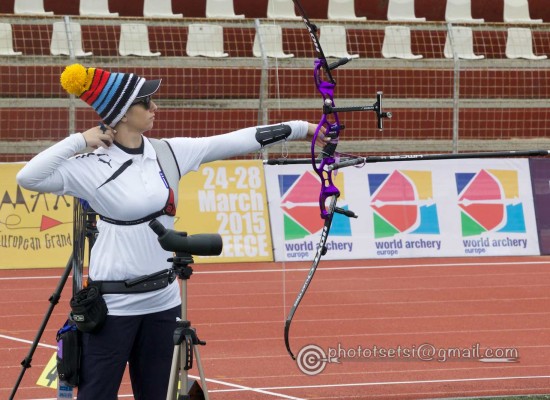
<point x="467" y="202"/>
<point x="290" y="204"/>
<point x="380" y="203"/>
<point x="498" y="360"/>
<point x="48" y="223"/>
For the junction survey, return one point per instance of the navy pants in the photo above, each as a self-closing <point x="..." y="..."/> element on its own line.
<point x="145" y="342"/>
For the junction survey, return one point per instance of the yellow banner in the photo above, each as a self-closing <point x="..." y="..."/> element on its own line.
<point x="36" y="229"/>
<point x="229" y="198"/>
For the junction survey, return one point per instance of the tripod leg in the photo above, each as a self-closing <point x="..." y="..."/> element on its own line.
<point x="184" y="384"/>
<point x="201" y="372"/>
<point x="54" y="299"/>
<point x="174" y="375"/>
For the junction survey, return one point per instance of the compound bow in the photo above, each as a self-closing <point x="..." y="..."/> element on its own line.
<point x="330" y="123"/>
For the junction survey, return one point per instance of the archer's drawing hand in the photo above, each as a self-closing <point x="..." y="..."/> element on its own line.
<point x="322" y="140"/>
<point x="97" y="137"/>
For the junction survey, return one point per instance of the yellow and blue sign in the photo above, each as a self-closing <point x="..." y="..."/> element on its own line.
<point x="36" y="229"/>
<point x="229" y="198"/>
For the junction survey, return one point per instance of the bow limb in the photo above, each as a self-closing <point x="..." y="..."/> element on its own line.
<point x="321" y="251"/>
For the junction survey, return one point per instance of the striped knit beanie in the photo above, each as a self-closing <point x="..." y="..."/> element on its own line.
<point x="109" y="93"/>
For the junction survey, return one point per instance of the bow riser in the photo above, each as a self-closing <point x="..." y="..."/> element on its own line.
<point x="328" y="189"/>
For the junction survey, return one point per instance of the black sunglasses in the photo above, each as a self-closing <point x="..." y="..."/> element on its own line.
<point x="144" y="101"/>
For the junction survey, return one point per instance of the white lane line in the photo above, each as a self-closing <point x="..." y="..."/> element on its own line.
<point x="240" y="388"/>
<point x="364" y="267"/>
<point x="340" y="385"/>
<point x="48" y="346"/>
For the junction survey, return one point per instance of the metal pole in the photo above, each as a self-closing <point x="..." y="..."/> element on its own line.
<point x="264" y="85"/>
<point x="352" y="161"/>
<point x="72" y="101"/>
<point x="456" y="88"/>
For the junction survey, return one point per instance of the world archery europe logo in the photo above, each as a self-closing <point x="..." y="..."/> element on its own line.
<point x="402" y="202"/>
<point x="489" y="202"/>
<point x="300" y="206"/>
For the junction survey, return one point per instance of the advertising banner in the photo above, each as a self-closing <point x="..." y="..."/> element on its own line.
<point x="223" y="197"/>
<point x="35" y="228"/>
<point x="451" y="208"/>
<point x="406" y="209"/>
<point x="540" y="179"/>
<point x="293" y="193"/>
<point x="229" y="198"/>
<point x="409" y="209"/>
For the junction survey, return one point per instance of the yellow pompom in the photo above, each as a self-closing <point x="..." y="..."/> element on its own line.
<point x="76" y="79"/>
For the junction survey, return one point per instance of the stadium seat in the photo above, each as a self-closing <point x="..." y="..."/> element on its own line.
<point x="30" y="7"/>
<point x="463" y="40"/>
<point x="6" y="41"/>
<point x="397" y="43"/>
<point x="134" y="40"/>
<point x="159" y="9"/>
<point x="520" y="44"/>
<point x="271" y="37"/>
<point x="334" y="41"/>
<point x="518" y="11"/>
<point x="205" y="40"/>
<point x="402" y="10"/>
<point x="221" y="9"/>
<point x="343" y="10"/>
<point x="95" y="8"/>
<point x="60" y="42"/>
<point x="283" y="9"/>
<point x="460" y="11"/>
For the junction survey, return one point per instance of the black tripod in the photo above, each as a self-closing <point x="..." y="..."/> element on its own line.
<point x="54" y="299"/>
<point x="84" y="227"/>
<point x="185" y="336"/>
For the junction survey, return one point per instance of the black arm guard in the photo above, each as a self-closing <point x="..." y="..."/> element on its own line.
<point x="273" y="133"/>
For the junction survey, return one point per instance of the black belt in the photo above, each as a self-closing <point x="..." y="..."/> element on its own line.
<point x="148" y="218"/>
<point x="142" y="284"/>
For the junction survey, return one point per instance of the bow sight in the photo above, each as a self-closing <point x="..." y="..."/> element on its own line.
<point x="328" y="107"/>
<point x="376" y="107"/>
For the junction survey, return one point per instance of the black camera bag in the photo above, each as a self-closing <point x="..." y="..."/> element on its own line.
<point x="89" y="310"/>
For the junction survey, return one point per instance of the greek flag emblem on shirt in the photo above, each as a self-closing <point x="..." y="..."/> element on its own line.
<point x="164" y="179"/>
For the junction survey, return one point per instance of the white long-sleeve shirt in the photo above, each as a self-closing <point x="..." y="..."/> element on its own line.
<point x="124" y="252"/>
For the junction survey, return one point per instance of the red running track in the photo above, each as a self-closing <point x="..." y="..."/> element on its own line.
<point x="384" y="315"/>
